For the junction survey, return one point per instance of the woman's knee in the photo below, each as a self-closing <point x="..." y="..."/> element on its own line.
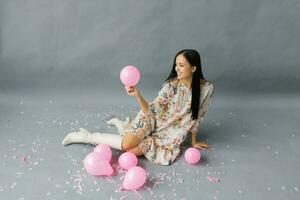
<point x="137" y="151"/>
<point x="129" y="141"/>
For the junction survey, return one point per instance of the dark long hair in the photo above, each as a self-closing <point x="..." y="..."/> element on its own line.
<point x="193" y="57"/>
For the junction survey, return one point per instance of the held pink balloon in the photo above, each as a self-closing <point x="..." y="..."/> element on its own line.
<point x="127" y="160"/>
<point x="135" y="178"/>
<point x="96" y="165"/>
<point x="104" y="150"/>
<point x="130" y="75"/>
<point x="192" y="155"/>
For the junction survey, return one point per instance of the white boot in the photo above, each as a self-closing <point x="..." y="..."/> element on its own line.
<point x="84" y="136"/>
<point x="77" y="137"/>
<point x="121" y="125"/>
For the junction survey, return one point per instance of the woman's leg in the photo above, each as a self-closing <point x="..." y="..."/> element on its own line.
<point x="130" y="141"/>
<point x="121" y="125"/>
<point x="140" y="127"/>
<point x="137" y="130"/>
<point x="137" y="151"/>
<point x="84" y="136"/>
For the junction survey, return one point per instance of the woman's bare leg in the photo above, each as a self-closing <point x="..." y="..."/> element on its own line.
<point x="137" y="151"/>
<point x="130" y="141"/>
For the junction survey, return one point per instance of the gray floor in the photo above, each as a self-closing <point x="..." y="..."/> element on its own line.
<point x="256" y="149"/>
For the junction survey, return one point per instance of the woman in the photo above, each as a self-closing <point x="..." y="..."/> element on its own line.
<point x="161" y="126"/>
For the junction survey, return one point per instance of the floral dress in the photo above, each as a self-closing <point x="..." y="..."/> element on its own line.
<point x="166" y="125"/>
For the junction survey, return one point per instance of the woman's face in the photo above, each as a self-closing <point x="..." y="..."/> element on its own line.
<point x="183" y="68"/>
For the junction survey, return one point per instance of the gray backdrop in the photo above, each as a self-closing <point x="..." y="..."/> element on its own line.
<point x="245" y="45"/>
<point x="59" y="70"/>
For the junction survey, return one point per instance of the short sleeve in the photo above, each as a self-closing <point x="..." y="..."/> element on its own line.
<point x="203" y="108"/>
<point x="160" y="103"/>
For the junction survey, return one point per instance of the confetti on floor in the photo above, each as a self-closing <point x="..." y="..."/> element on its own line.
<point x="213" y="179"/>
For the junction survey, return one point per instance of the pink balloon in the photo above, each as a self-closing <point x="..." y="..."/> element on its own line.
<point x="104" y="150"/>
<point x="192" y="155"/>
<point x="96" y="165"/>
<point x="127" y="160"/>
<point x="130" y="75"/>
<point x="135" y="178"/>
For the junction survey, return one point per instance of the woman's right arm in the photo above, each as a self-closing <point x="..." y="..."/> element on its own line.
<point x="134" y="91"/>
<point x="143" y="103"/>
<point x="157" y="105"/>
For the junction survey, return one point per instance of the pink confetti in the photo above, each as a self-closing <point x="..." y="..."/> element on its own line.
<point x="122" y="189"/>
<point x="24" y="159"/>
<point x="213" y="179"/>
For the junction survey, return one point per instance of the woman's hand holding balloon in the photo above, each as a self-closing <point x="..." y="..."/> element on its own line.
<point x="132" y="90"/>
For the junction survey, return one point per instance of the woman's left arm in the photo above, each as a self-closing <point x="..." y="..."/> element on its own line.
<point x="197" y="144"/>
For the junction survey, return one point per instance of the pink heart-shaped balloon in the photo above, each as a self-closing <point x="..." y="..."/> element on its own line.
<point x="96" y="165"/>
<point x="104" y="150"/>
